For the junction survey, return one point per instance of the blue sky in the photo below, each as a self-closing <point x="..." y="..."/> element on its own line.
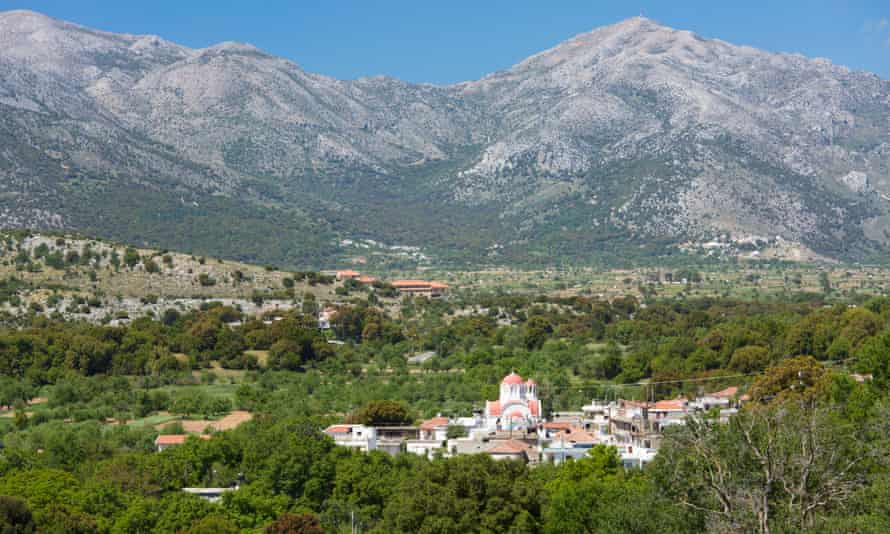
<point x="453" y="40"/>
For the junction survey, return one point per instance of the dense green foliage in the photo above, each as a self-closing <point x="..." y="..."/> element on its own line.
<point x="78" y="464"/>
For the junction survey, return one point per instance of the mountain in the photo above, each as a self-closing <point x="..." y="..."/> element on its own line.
<point x="625" y="143"/>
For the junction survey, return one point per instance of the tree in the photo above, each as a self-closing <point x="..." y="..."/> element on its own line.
<point x="749" y="359"/>
<point x="150" y="266"/>
<point x="824" y="282"/>
<point x="382" y="412"/>
<point x="536" y="332"/>
<point x="455" y="431"/>
<point x="774" y="467"/>
<point x="131" y="257"/>
<point x="295" y="524"/>
<point x="465" y="494"/>
<point x="608" y="365"/>
<point x="285" y="354"/>
<point x="874" y="359"/>
<point x="801" y="377"/>
<point x="66" y="519"/>
<point x="212" y="524"/>
<point x="179" y="511"/>
<point x="190" y="402"/>
<point x="590" y="495"/>
<point x="15" y="516"/>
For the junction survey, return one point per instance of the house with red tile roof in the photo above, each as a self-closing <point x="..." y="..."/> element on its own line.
<point x="553" y="428"/>
<point x="165" y="441"/>
<point x="361" y="437"/>
<point x="435" y="429"/>
<point x="510" y="449"/>
<point x="727" y="393"/>
<point x="666" y="407"/>
<point x="421" y="287"/>
<point x="573" y="442"/>
<point x="347" y="274"/>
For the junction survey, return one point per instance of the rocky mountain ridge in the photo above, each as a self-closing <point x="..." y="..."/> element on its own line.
<point x="620" y="143"/>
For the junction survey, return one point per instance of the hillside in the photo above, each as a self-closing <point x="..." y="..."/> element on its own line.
<point x="99" y="281"/>
<point x="629" y="142"/>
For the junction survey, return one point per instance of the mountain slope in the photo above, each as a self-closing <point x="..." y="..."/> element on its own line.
<point x="621" y="143"/>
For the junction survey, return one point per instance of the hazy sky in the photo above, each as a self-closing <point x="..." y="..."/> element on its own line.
<point x="446" y="41"/>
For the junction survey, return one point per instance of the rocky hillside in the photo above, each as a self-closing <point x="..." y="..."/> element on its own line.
<point x="631" y="141"/>
<point x="101" y="281"/>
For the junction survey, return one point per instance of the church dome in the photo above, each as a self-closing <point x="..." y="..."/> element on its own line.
<point x="512" y="379"/>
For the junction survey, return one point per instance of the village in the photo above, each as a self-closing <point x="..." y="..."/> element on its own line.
<point x="514" y="427"/>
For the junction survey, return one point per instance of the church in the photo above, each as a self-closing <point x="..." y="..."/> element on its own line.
<point x="518" y="407"/>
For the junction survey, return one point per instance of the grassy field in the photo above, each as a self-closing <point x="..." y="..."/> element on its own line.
<point x="747" y="280"/>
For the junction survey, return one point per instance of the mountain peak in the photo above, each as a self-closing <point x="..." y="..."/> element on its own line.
<point x="634" y="129"/>
<point x="637" y="23"/>
<point x="23" y="14"/>
<point x="25" y="20"/>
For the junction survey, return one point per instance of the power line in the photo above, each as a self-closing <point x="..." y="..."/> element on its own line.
<point x="676" y="381"/>
<point x="651" y="383"/>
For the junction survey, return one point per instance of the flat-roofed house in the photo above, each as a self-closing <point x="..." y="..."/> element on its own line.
<point x="361" y="437"/>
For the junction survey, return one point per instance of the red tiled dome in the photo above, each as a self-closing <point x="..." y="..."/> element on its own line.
<point x="512" y="379"/>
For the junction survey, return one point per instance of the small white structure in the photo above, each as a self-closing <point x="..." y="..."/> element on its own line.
<point x="324" y="318"/>
<point x="425" y="448"/>
<point x="636" y="456"/>
<point x="361" y="437"/>
<point x="719" y="399"/>
<point x="421" y="357"/>
<point x="209" y="494"/>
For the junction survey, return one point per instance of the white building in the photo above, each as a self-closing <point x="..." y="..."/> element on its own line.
<point x="361" y="437"/>
<point x="722" y="399"/>
<point x="518" y="407"/>
<point x="210" y="494"/>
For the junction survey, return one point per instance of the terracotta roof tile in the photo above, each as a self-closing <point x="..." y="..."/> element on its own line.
<point x="511" y="446"/>
<point x="435" y="422"/>
<point x="176" y="439"/>
<point x="576" y="435"/>
<point x="557" y="425"/>
<point x="410" y="283"/>
<point x="670" y="404"/>
<point x="512" y="379"/>
<point x="726" y="393"/>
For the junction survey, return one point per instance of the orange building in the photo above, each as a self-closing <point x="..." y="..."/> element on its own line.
<point x="421" y="287"/>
